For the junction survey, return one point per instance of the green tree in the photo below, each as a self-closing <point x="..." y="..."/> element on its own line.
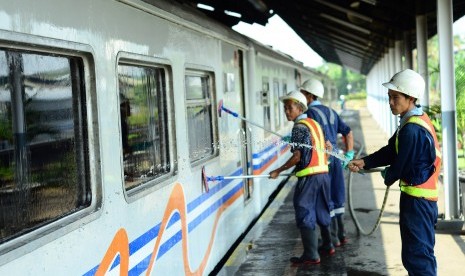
<point x="342" y="77"/>
<point x="460" y="95"/>
<point x="434" y="86"/>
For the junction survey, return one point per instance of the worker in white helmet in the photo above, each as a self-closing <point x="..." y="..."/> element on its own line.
<point x="311" y="194"/>
<point x="414" y="158"/>
<point x="333" y="125"/>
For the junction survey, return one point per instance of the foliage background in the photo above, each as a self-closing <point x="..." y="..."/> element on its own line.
<point x="342" y="77"/>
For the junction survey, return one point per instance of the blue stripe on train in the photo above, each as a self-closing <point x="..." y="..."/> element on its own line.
<point x="152" y="233"/>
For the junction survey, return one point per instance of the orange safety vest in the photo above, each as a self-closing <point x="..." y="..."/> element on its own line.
<point x="319" y="162"/>
<point x="429" y="189"/>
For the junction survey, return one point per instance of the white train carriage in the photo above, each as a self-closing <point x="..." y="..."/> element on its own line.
<point x="108" y="113"/>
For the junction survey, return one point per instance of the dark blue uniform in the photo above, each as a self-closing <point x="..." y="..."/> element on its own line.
<point x="417" y="216"/>
<point x="332" y="124"/>
<point x="311" y="195"/>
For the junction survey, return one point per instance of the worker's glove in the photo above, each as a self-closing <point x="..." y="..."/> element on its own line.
<point x="383" y="174"/>
<point x="287" y="139"/>
<point x="349" y="155"/>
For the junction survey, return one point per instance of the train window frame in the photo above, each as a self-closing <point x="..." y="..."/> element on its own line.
<point x="156" y="183"/>
<point x="267" y="117"/>
<point x="60" y="226"/>
<point x="283" y="92"/>
<point x="200" y="71"/>
<point x="276" y="104"/>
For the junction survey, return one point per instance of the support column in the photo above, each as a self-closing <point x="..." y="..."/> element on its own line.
<point x="448" y="107"/>
<point x="398" y="46"/>
<point x="392" y="120"/>
<point x="422" y="55"/>
<point x="407" y="64"/>
<point x="387" y="75"/>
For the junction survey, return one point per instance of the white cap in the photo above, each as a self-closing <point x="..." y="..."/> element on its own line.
<point x="313" y="86"/>
<point x="296" y="96"/>
<point x="408" y="82"/>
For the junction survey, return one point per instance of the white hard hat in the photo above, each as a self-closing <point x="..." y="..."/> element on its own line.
<point x="408" y="82"/>
<point x="296" y="96"/>
<point x="313" y="86"/>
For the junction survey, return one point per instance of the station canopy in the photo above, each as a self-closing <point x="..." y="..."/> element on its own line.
<point x="354" y="34"/>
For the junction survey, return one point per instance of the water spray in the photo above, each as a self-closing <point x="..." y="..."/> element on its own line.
<point x="221" y="108"/>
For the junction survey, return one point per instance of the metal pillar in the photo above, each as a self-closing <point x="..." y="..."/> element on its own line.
<point x="448" y="103"/>
<point x="392" y="120"/>
<point x="422" y="55"/>
<point x="398" y="47"/>
<point x="407" y="64"/>
<point x="385" y="98"/>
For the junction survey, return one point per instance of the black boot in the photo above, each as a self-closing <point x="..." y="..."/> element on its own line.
<point x="310" y="243"/>
<point x="327" y="248"/>
<point x="341" y="231"/>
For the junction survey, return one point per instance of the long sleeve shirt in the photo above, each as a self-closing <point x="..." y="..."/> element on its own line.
<point x="301" y="140"/>
<point x="414" y="161"/>
<point x="329" y="121"/>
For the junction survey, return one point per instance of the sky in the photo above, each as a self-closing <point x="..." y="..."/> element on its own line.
<point x="290" y="43"/>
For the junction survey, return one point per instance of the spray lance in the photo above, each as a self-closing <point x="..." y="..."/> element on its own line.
<point x="221" y="108"/>
<point x="206" y="179"/>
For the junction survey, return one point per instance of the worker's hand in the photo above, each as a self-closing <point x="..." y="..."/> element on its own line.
<point x="349" y="155"/>
<point x="274" y="174"/>
<point x="356" y="165"/>
<point x="329" y="146"/>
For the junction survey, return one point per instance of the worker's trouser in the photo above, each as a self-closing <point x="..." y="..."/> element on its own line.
<point x="311" y="201"/>
<point x="338" y="191"/>
<point x="417" y="219"/>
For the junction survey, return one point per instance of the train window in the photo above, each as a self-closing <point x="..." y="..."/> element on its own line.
<point x="144" y="123"/>
<point x="200" y="123"/>
<point x="281" y="107"/>
<point x="266" y="105"/>
<point x="43" y="150"/>
<point x="277" y="113"/>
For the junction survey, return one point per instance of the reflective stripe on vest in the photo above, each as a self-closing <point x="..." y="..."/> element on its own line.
<point x="428" y="189"/>
<point x="319" y="162"/>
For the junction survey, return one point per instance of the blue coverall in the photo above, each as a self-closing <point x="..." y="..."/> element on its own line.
<point x="332" y="124"/>
<point x="311" y="195"/>
<point x="417" y="216"/>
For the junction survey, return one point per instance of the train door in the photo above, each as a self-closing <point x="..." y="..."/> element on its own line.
<point x="246" y="149"/>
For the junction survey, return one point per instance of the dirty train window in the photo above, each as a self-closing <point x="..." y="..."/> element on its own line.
<point x="144" y="123"/>
<point x="43" y="150"/>
<point x="200" y="123"/>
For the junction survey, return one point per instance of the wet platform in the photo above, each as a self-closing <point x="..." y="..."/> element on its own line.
<point x="274" y="239"/>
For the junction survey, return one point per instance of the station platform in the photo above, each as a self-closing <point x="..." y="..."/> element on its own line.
<point x="274" y="239"/>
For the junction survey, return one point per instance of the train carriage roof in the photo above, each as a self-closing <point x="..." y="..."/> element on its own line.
<point x="352" y="33"/>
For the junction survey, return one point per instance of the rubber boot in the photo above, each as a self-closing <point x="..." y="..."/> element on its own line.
<point x="327" y="248"/>
<point x="310" y="243"/>
<point x="334" y="232"/>
<point x="341" y="233"/>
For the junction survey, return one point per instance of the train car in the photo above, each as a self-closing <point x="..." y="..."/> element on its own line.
<point x="109" y="113"/>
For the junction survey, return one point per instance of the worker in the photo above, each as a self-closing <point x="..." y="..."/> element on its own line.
<point x="413" y="157"/>
<point x="333" y="124"/>
<point x="311" y="194"/>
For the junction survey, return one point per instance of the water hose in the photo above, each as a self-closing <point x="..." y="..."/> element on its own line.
<point x="351" y="209"/>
